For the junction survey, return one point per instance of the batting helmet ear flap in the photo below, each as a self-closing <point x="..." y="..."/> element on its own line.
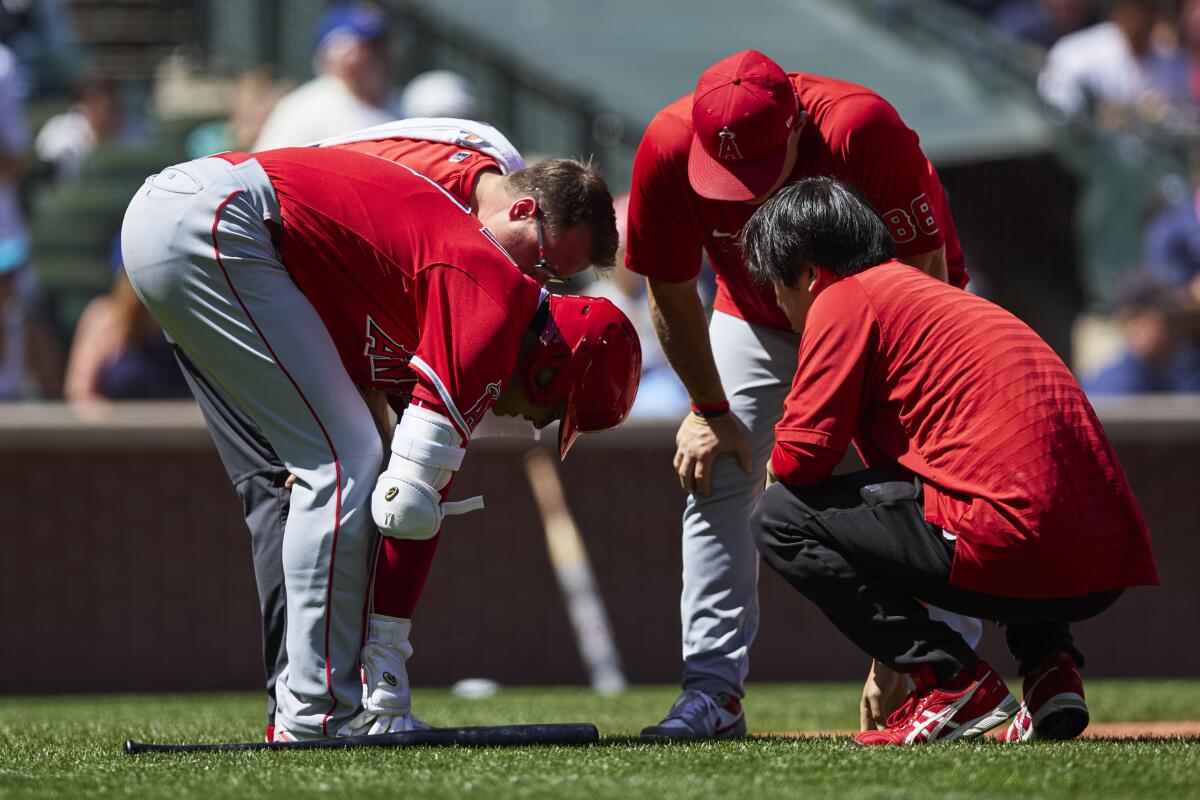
<point x="596" y="359"/>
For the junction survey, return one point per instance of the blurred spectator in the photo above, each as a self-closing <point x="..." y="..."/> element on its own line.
<point x="251" y="98"/>
<point x="440" y="93"/>
<point x="1189" y="40"/>
<point x="1043" y="22"/>
<point x="1162" y="351"/>
<point x="119" y="352"/>
<point x="39" y="34"/>
<point x="352" y="85"/>
<point x="1172" y="244"/>
<point x="67" y="139"/>
<point x="660" y="394"/>
<point x="26" y="347"/>
<point x="14" y="141"/>
<point x="1115" y="67"/>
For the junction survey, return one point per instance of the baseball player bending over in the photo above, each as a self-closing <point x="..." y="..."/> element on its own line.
<point x="991" y="489"/>
<point x="554" y="218"/>
<point x="292" y="277"/>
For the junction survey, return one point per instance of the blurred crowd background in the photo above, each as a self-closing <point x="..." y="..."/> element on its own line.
<point x="1067" y="133"/>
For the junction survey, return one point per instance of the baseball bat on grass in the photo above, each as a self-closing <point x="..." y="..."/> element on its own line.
<point x="489" y="736"/>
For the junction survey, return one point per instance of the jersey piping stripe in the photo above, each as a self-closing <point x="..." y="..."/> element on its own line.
<point x="444" y="393"/>
<point x="433" y="183"/>
<point x="491" y="237"/>
<point x="337" y="464"/>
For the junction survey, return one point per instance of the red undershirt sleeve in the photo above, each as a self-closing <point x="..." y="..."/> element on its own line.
<point x="828" y="395"/>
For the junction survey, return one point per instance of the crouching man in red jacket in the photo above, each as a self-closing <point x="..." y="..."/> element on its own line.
<point x="991" y="489"/>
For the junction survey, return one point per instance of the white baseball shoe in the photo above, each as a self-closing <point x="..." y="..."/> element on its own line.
<point x="387" y="705"/>
<point x="700" y="715"/>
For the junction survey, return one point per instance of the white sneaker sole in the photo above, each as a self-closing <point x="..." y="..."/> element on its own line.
<point x="977" y="727"/>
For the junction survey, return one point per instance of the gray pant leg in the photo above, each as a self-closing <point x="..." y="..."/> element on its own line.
<point x="719" y="604"/>
<point x="258" y="476"/>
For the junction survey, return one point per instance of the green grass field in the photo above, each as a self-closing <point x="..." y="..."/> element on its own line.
<point x="71" y="747"/>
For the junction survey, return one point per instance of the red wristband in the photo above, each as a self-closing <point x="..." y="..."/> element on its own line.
<point x="710" y="410"/>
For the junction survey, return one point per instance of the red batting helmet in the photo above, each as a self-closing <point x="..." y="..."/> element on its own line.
<point x="596" y="362"/>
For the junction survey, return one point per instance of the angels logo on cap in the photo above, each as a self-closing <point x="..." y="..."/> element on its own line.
<point x="743" y="111"/>
<point x="728" y="149"/>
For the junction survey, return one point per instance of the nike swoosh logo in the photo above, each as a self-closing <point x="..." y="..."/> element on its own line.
<point x="722" y="234"/>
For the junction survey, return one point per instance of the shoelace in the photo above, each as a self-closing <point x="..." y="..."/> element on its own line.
<point x="913" y="703"/>
<point x="691" y="703"/>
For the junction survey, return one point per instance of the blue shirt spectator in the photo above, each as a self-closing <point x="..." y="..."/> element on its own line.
<point x="1162" y="353"/>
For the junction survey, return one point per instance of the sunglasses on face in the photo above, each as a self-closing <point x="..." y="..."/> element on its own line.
<point x="542" y="267"/>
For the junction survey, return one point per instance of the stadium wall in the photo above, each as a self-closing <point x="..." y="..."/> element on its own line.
<point x="126" y="563"/>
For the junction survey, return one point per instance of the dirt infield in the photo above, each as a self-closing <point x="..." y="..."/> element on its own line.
<point x="1189" y="729"/>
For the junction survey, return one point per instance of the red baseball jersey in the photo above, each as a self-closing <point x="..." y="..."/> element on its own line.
<point x="931" y="381"/>
<point x="852" y="134"/>
<point x="452" y="167"/>
<point x="418" y="297"/>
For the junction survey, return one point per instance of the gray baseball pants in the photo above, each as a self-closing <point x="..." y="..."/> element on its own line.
<point x="258" y="477"/>
<point x="199" y="254"/>
<point x="719" y="603"/>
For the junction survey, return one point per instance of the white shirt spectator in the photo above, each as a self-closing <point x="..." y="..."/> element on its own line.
<point x="65" y="141"/>
<point x="319" y="109"/>
<point x="1098" y="65"/>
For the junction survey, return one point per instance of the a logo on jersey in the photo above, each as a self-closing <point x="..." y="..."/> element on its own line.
<point x="720" y="234"/>
<point x="490" y="394"/>
<point x="389" y="360"/>
<point x="390" y="494"/>
<point x="468" y="139"/>
<point x="461" y="155"/>
<point x="390" y="678"/>
<point x="727" y="145"/>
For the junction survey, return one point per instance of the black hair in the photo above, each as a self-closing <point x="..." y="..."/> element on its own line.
<point x="815" y="221"/>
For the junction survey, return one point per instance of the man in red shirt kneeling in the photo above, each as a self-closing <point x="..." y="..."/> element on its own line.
<point x="990" y="491"/>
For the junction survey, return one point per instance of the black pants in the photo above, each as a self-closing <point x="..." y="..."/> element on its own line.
<point x="859" y="547"/>
<point x="258" y="476"/>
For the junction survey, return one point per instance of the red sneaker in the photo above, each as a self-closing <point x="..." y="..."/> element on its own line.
<point x="970" y="705"/>
<point x="1052" y="705"/>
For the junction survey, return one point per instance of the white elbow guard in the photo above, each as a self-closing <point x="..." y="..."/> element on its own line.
<point x="426" y="451"/>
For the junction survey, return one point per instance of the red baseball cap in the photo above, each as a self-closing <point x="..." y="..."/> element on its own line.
<point x="743" y="111"/>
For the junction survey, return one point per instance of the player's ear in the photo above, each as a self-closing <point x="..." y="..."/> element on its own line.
<point x="522" y="208"/>
<point x="821" y="279"/>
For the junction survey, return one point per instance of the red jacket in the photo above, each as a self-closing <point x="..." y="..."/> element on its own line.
<point x="931" y="381"/>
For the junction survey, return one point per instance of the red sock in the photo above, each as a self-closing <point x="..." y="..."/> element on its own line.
<point x="400" y="574"/>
